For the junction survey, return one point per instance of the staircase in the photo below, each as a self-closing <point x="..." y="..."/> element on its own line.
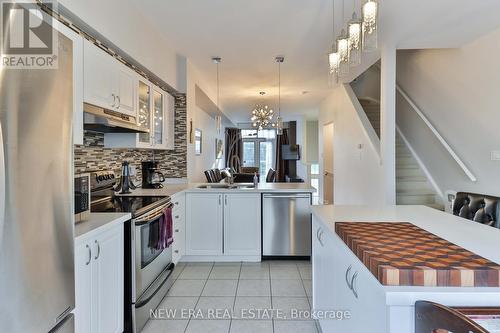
<point x="412" y="186"/>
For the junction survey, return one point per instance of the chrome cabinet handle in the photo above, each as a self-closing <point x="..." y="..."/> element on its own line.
<point x="176" y="230"/>
<point x="220" y="199"/>
<point x="176" y="203"/>
<point x="347" y="279"/>
<point x="119" y="102"/>
<point x="98" y="250"/>
<point x="319" y="238"/>
<point x="225" y="199"/>
<point x="90" y="254"/>
<point x="176" y="251"/>
<point x="353" y="284"/>
<point x="114" y="100"/>
<point x="176" y="216"/>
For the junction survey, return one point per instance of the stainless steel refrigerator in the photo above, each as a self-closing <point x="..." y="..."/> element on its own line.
<point x="36" y="191"/>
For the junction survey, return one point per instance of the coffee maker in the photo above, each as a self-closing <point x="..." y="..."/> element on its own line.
<point x="151" y="176"/>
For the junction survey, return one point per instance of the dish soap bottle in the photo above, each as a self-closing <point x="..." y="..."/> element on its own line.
<point x="255" y="179"/>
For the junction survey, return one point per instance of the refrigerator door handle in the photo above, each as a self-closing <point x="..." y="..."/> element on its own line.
<point x="2" y="184"/>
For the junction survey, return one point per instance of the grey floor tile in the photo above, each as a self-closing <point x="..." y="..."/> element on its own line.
<point x="292" y="308"/>
<point x="220" y="288"/>
<point x="214" y="308"/>
<point x="251" y="326"/>
<point x="195" y="272"/>
<point x="284" y="272"/>
<point x="288" y="288"/>
<point x="228" y="272"/>
<point x="178" y="307"/>
<point x="165" y="326"/>
<point x="308" y="287"/>
<point x="305" y="272"/>
<point x="254" y="272"/>
<point x="252" y="308"/>
<point x="178" y="270"/>
<point x="199" y="263"/>
<point x="208" y="326"/>
<point x="255" y="264"/>
<point x="303" y="263"/>
<point x="228" y="263"/>
<point x="294" y="326"/>
<point x="254" y="288"/>
<point x="187" y="288"/>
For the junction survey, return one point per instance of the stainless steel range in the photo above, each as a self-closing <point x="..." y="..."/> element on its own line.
<point x="147" y="269"/>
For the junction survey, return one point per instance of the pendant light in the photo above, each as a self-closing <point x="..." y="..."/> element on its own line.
<point x="354" y="28"/>
<point x="370" y="25"/>
<point x="343" y="49"/>
<point x="218" y="117"/>
<point x="279" y="120"/>
<point x="262" y="115"/>
<point x="333" y="57"/>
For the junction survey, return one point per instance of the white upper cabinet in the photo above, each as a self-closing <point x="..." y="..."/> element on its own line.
<point x="107" y="82"/>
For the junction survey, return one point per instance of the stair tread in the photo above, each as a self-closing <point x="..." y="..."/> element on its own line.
<point x="415" y="192"/>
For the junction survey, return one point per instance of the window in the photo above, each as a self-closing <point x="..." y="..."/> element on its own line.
<point x="314" y="177"/>
<point x="259" y="149"/>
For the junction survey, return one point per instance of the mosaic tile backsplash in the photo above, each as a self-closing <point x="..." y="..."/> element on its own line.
<point x="92" y="155"/>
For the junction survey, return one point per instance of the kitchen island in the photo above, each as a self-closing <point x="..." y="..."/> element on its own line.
<point x="342" y="280"/>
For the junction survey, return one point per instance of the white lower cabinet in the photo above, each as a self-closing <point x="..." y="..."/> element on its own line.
<point x="179" y="218"/>
<point x="342" y="283"/>
<point x="223" y="224"/>
<point x="204" y="224"/>
<point x="242" y="225"/>
<point x="99" y="286"/>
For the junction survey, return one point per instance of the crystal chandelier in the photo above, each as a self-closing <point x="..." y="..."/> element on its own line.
<point x="262" y="116"/>
<point x="370" y="25"/>
<point x="343" y="53"/>
<point x="354" y="32"/>
<point x="333" y="57"/>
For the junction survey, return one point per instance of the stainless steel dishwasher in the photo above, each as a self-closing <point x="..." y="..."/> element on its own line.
<point x="286" y="225"/>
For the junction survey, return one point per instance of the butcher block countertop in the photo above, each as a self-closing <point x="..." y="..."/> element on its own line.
<point x="402" y="254"/>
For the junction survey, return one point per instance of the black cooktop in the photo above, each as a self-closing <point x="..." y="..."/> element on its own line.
<point x="136" y="205"/>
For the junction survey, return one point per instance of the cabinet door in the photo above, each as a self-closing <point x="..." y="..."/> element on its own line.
<point x="144" y="112"/>
<point x="109" y="286"/>
<point x="83" y="288"/>
<point x="98" y="77"/>
<point x="126" y="84"/>
<point x="242" y="224"/>
<point x="158" y="121"/>
<point x="204" y="224"/>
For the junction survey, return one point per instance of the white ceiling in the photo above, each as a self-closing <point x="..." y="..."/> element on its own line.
<point x="249" y="34"/>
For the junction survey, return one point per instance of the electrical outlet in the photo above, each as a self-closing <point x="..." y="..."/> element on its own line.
<point x="495" y="155"/>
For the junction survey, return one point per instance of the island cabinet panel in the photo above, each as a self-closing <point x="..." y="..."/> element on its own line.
<point x="204" y="223"/>
<point x="242" y="225"/>
<point x="342" y="283"/>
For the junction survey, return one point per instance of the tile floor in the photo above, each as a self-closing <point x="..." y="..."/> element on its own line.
<point x="237" y="298"/>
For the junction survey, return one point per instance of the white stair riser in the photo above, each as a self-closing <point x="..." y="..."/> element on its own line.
<point x="413" y="185"/>
<point x="400" y="172"/>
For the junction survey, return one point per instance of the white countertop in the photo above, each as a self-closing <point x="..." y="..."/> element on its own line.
<point x="475" y="237"/>
<point x="172" y="189"/>
<point x="99" y="222"/>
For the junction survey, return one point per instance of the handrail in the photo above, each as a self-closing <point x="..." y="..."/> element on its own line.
<point x="436" y="133"/>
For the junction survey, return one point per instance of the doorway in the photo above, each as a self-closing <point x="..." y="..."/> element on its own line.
<point x="328" y="164"/>
<point x="258" y="149"/>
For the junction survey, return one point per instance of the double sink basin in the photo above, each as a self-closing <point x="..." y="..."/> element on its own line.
<point x="227" y="186"/>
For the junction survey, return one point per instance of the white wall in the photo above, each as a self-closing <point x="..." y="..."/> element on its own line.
<point x="131" y="32"/>
<point x="357" y="172"/>
<point x="458" y="90"/>
<point x="196" y="164"/>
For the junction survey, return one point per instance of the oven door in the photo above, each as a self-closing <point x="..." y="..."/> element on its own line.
<point x="149" y="262"/>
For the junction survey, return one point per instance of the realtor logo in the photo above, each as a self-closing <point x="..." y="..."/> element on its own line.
<point x="27" y="37"/>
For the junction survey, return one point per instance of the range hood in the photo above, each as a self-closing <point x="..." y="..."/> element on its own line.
<point x="102" y="120"/>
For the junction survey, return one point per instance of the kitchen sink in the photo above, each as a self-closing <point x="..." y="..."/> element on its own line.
<point x="227" y="186"/>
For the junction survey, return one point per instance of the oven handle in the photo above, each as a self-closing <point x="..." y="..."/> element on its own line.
<point x="156" y="213"/>
<point x="143" y="302"/>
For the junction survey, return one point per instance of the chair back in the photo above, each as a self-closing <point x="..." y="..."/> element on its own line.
<point x="271" y="175"/>
<point x="436" y="318"/>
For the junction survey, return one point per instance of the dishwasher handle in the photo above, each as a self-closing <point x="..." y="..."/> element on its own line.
<point x="293" y="196"/>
